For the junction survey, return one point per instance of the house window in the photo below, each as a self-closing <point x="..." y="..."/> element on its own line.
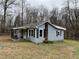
<point x="31" y="32"/>
<point x="34" y="33"/>
<point x="37" y="33"/>
<point x="58" y="33"/>
<point x="40" y="33"/>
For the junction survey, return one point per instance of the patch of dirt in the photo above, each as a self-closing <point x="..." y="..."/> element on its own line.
<point x="67" y="52"/>
<point x="5" y="39"/>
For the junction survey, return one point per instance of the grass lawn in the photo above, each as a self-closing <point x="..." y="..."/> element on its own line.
<point x="26" y="50"/>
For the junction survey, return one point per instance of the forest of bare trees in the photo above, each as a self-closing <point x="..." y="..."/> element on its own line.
<point x="67" y="17"/>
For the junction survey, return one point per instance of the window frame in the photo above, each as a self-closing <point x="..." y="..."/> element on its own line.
<point x="57" y="33"/>
<point x="60" y="32"/>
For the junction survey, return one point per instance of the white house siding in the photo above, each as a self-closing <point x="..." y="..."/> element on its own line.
<point x="42" y="27"/>
<point x="39" y="39"/>
<point x="52" y="34"/>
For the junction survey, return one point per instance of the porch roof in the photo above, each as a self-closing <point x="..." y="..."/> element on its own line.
<point x="23" y="27"/>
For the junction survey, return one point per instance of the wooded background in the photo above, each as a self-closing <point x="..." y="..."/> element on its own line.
<point x="67" y="17"/>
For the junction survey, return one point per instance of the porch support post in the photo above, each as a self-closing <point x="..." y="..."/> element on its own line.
<point x="12" y="33"/>
<point x="35" y="33"/>
<point x="28" y="33"/>
<point x="43" y="33"/>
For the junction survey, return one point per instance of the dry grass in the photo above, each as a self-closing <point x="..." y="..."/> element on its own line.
<point x="27" y="50"/>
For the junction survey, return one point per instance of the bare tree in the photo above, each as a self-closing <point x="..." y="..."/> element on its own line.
<point x="22" y="11"/>
<point x="6" y="4"/>
<point x="22" y="5"/>
<point x="43" y="13"/>
<point x="76" y="14"/>
<point x="17" y="22"/>
<point x="71" y="16"/>
<point x="54" y="16"/>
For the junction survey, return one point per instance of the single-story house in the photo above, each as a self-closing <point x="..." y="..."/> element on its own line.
<point x="38" y="32"/>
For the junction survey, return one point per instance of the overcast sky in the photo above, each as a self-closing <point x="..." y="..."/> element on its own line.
<point x="47" y="3"/>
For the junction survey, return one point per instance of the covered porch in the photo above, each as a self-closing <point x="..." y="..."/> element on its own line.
<point x="35" y="35"/>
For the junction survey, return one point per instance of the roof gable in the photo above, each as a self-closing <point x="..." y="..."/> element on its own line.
<point x="55" y="26"/>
